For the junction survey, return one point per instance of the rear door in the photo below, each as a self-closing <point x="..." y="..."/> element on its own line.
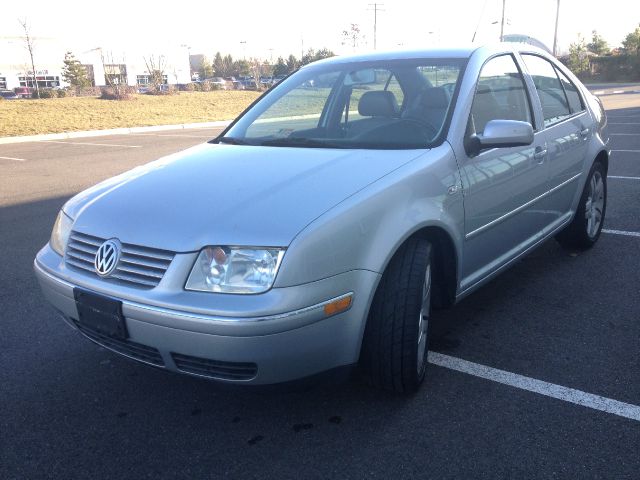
<point x="567" y="129"/>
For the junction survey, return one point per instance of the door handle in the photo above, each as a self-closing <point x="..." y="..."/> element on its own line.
<point x="584" y="133"/>
<point x="540" y="154"/>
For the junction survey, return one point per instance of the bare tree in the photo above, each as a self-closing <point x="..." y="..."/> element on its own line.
<point x="114" y="76"/>
<point x="156" y="68"/>
<point x="28" y="40"/>
<point x="352" y="36"/>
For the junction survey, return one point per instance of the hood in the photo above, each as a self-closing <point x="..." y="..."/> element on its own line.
<point x="227" y="195"/>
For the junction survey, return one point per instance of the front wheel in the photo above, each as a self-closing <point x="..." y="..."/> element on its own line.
<point x="583" y="232"/>
<point x="395" y="345"/>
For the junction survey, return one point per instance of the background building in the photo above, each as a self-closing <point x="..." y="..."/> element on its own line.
<point x="103" y="64"/>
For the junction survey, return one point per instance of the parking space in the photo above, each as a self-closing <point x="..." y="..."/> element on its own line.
<point x="533" y="376"/>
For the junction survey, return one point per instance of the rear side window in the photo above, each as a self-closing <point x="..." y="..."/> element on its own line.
<point x="555" y="106"/>
<point x="575" y="102"/>
<point x="500" y="94"/>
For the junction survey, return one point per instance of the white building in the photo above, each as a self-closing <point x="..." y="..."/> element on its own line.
<point x="122" y="65"/>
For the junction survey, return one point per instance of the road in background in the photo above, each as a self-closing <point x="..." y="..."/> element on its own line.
<point x="70" y="409"/>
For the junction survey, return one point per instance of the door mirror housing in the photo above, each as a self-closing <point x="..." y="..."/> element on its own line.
<point x="501" y="134"/>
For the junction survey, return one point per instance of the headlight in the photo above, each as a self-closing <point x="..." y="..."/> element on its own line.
<point x="60" y="233"/>
<point x="235" y="269"/>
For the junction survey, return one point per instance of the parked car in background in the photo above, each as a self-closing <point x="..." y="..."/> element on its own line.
<point x="24" y="92"/>
<point x="278" y="78"/>
<point x="235" y="83"/>
<point x="266" y="81"/>
<point x="316" y="233"/>
<point x="218" y="82"/>
<point x="8" y="94"/>
<point x="249" y="84"/>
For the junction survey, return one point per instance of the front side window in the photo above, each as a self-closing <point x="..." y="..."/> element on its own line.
<point x="555" y="106"/>
<point x="382" y="104"/>
<point x="500" y="95"/>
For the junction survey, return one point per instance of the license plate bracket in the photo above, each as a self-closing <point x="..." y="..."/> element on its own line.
<point x="100" y="313"/>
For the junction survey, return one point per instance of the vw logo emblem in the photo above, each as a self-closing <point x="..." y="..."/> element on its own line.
<point x="107" y="257"/>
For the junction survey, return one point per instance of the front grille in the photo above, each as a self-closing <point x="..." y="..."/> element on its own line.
<point x="215" y="368"/>
<point x="138" y="266"/>
<point x="134" y="350"/>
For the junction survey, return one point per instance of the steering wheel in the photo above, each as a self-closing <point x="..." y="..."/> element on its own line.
<point x="425" y="127"/>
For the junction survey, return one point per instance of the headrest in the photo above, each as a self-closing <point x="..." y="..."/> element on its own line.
<point x="379" y="103"/>
<point x="434" y="97"/>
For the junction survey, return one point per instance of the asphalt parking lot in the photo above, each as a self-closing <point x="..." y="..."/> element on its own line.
<point x="536" y="375"/>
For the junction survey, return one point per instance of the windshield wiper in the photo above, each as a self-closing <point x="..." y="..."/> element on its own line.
<point x="300" y="142"/>
<point x="232" y="141"/>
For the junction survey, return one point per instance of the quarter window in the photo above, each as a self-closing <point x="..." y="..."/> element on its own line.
<point x="500" y="94"/>
<point x="555" y="106"/>
<point x="575" y="102"/>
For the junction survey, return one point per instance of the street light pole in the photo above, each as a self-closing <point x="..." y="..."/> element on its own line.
<point x="555" y="35"/>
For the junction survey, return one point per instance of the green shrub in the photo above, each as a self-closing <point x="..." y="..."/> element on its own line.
<point x="206" y="86"/>
<point x="60" y="93"/>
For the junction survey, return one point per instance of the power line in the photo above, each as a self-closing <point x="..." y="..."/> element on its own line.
<point x="376" y="8"/>
<point x="473" y="39"/>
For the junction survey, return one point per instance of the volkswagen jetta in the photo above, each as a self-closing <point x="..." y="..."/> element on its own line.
<point x="317" y="232"/>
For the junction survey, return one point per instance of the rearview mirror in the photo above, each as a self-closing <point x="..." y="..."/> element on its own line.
<point x="502" y="134"/>
<point x="360" y="77"/>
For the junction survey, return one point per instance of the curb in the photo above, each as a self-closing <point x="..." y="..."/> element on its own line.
<point x="603" y="93"/>
<point x="112" y="131"/>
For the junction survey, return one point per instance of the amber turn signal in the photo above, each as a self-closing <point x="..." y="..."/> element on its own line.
<point x="338" y="306"/>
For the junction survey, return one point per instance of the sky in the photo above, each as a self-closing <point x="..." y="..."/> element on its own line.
<point x="268" y="29"/>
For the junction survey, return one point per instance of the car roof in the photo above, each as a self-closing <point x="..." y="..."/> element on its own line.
<point x="401" y="55"/>
<point x="457" y="52"/>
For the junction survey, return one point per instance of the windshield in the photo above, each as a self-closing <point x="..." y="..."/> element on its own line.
<point x="391" y="104"/>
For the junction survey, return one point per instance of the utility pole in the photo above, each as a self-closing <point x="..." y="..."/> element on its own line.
<point x="504" y="4"/>
<point x="244" y="49"/>
<point x="376" y="8"/>
<point x="555" y="35"/>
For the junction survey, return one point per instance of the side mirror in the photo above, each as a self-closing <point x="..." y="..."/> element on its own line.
<point x="502" y="134"/>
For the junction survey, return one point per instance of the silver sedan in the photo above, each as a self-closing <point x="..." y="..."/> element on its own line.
<point x="317" y="232"/>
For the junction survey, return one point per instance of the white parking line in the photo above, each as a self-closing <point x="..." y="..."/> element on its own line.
<point x="621" y="232"/>
<point x="14" y="159"/>
<point x="170" y="135"/>
<point x="618" y="177"/>
<point x="571" y="395"/>
<point x="92" y="144"/>
<point x="627" y="151"/>
<point x="623" y="134"/>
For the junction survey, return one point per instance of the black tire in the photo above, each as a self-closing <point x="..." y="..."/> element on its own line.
<point x="581" y="233"/>
<point x="392" y="340"/>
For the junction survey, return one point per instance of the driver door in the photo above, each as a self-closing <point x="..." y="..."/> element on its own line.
<point x="501" y="185"/>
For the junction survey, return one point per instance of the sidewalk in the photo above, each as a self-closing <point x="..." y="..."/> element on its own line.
<point x="113" y="131"/>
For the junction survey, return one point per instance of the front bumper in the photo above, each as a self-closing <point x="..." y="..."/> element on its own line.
<point x="263" y="347"/>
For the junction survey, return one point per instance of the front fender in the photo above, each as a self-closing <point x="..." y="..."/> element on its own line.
<point x="365" y="230"/>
